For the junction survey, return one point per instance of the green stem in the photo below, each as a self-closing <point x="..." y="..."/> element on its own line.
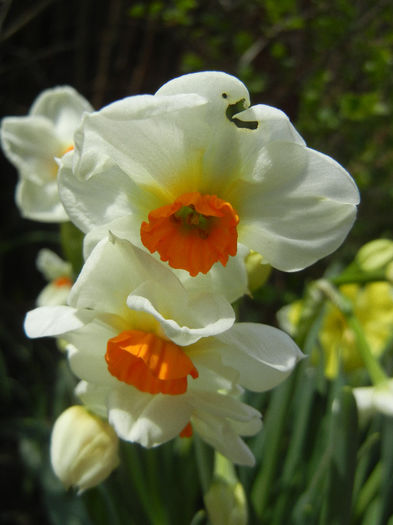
<point x="271" y="451"/>
<point x="361" y="278"/>
<point x="369" y="491"/>
<point x="375" y="370"/>
<point x="204" y="463"/>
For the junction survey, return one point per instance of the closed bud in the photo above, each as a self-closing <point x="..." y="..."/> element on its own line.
<point x="225" y="500"/>
<point x="226" y="504"/>
<point x="375" y="255"/>
<point x="257" y="271"/>
<point x="84" y="449"/>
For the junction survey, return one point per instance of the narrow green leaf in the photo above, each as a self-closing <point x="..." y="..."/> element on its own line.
<point x="270" y="451"/>
<point x="344" y="444"/>
<point x="386" y="505"/>
<point x="71" y="243"/>
<point x="199" y="518"/>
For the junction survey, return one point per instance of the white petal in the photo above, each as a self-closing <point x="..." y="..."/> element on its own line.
<point x="113" y="270"/>
<point x="383" y="398"/>
<point x="188" y="318"/>
<point x="223" y="139"/>
<point x="54" y="320"/>
<point x="126" y="227"/>
<point x="53" y="295"/>
<point x="263" y="355"/>
<point x="64" y="107"/>
<point x="223" y="406"/>
<point x="137" y="133"/>
<point x="211" y="85"/>
<point x="86" y="353"/>
<point x="301" y="209"/>
<point x="40" y="202"/>
<point x="213" y="374"/>
<point x="220" y="435"/>
<point x="273" y="125"/>
<point x="97" y="201"/>
<point x="31" y="145"/>
<point x="51" y="265"/>
<point x="145" y="418"/>
<point x="230" y="281"/>
<point x="94" y="397"/>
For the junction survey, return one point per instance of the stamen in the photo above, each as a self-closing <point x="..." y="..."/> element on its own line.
<point x="193" y="233"/>
<point x="149" y="362"/>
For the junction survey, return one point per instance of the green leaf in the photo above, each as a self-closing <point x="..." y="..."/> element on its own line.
<point x="71" y="242"/>
<point x="343" y="454"/>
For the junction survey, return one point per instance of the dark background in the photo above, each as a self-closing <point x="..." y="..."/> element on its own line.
<point x="327" y="64"/>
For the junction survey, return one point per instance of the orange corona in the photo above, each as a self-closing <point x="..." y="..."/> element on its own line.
<point x="149" y="362"/>
<point x="70" y="148"/>
<point x="62" y="281"/>
<point x="187" y="431"/>
<point x="193" y="232"/>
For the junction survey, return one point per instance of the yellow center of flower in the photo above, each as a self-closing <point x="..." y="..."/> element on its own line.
<point x="55" y="167"/>
<point x="193" y="232"/>
<point x="149" y="362"/>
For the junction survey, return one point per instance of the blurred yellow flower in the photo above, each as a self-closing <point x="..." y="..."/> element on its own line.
<point x="372" y="306"/>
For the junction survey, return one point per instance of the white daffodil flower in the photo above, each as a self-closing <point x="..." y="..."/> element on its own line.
<point x="159" y="360"/>
<point x="59" y="274"/>
<point x="194" y="170"/>
<point x="33" y="143"/>
<point x="83" y="450"/>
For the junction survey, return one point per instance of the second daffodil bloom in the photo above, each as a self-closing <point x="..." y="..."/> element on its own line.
<point x="194" y="170"/>
<point x="59" y="274"/>
<point x="159" y="361"/>
<point x="33" y="143"/>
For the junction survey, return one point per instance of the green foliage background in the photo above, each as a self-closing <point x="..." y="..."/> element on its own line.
<point x="328" y="65"/>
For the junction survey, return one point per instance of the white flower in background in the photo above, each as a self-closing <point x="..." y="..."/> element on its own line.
<point x="83" y="450"/>
<point x="372" y="399"/>
<point x="194" y="170"/>
<point x="59" y="274"/>
<point x="159" y="360"/>
<point x="33" y="142"/>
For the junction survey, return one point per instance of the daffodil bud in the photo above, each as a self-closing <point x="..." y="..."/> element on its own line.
<point x="84" y="449"/>
<point x="257" y="271"/>
<point x="59" y="274"/>
<point x="226" y="503"/>
<point x="375" y="255"/>
<point x="225" y="500"/>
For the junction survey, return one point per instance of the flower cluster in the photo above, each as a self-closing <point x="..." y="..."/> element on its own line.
<point x="176" y="194"/>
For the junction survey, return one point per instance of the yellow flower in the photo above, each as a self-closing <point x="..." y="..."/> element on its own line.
<point x="373" y="307"/>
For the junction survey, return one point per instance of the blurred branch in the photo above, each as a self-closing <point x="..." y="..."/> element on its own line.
<point x="141" y="69"/>
<point x="104" y="57"/>
<point x="23" y="20"/>
<point x="4" y="8"/>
